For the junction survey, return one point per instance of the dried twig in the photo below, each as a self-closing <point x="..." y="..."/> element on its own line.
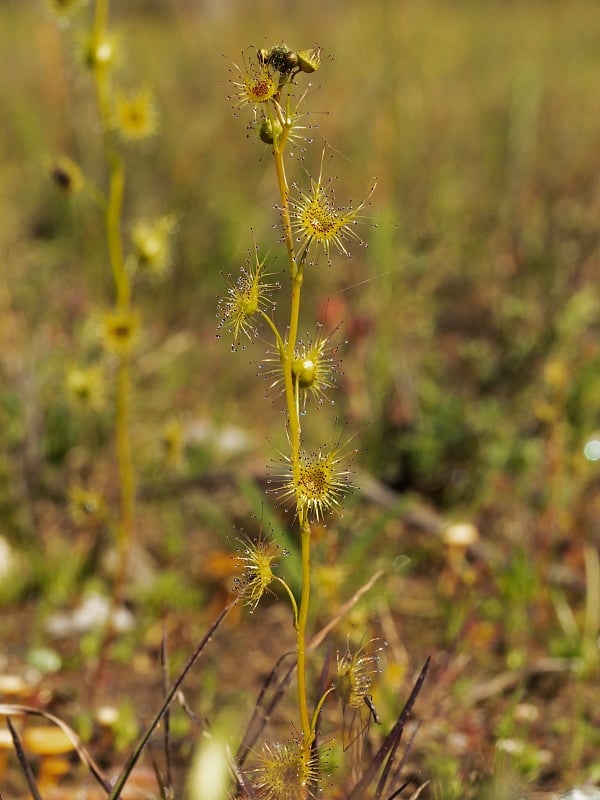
<point x="27" y="771"/>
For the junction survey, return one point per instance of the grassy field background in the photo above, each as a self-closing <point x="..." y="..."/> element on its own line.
<point x="471" y="368"/>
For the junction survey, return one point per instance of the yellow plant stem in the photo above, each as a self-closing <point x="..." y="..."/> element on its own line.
<point x="126" y="475"/>
<point x="307" y="730"/>
<point x="292" y="599"/>
<point x="101" y="15"/>
<point x="113" y="232"/>
<point x="114" y="210"/>
<point x="296" y="275"/>
<point x="294" y="432"/>
<point x="285" y="212"/>
<point x="100" y="69"/>
<point x="315" y="719"/>
<point x="124" y="388"/>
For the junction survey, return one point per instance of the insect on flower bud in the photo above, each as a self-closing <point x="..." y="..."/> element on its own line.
<point x="282" y="58"/>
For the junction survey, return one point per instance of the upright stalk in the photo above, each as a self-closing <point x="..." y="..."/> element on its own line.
<point x="126" y="475"/>
<point x="294" y="434"/>
<point x="307" y="729"/>
<point x="101" y="57"/>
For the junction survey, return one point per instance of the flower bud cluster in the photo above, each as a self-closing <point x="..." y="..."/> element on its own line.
<point x="285" y="60"/>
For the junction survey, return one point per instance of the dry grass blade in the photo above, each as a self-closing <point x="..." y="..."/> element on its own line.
<point x="263" y="709"/>
<point x="133" y="759"/>
<point x="29" y="776"/>
<point x="418" y="790"/>
<point x="188" y="711"/>
<point x="242" y="781"/>
<point x="165" y="789"/>
<point x="592" y="597"/>
<point x="164" y="663"/>
<point x="401" y="763"/>
<point x="16" y="709"/>
<point x="391" y="740"/>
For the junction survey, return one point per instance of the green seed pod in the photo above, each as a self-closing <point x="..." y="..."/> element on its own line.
<point x="304" y="371"/>
<point x="269" y="129"/>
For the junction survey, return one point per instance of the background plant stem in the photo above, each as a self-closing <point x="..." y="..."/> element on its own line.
<point x="122" y="283"/>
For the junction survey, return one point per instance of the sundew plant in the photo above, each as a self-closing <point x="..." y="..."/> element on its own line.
<point x="136" y="251"/>
<point x="312" y="481"/>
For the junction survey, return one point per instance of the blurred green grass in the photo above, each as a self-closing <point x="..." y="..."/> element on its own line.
<point x="478" y="121"/>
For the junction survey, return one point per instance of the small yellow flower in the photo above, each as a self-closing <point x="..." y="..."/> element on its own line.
<point x="152" y="245"/>
<point x="86" y="508"/>
<point x="317" y="220"/>
<point x="246" y="298"/>
<point x="120" y="332"/>
<point x="556" y="375"/>
<point x="318" y="484"/>
<point x="67" y="175"/>
<point x="285" y="771"/>
<point x="136" y="117"/>
<point x="173" y="443"/>
<point x="86" y="387"/>
<point x="257" y="84"/>
<point x="256" y="561"/>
